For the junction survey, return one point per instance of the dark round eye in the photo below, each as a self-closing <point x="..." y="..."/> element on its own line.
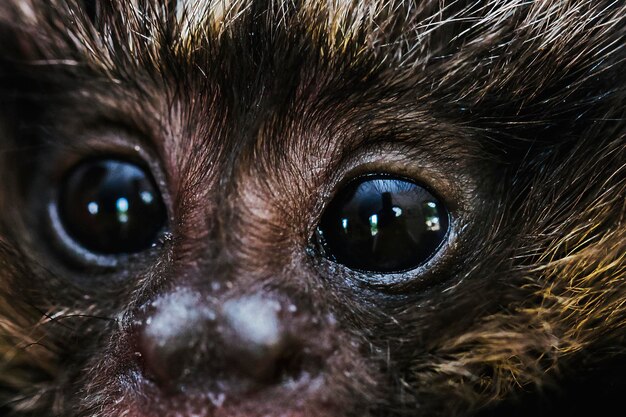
<point x="384" y="224"/>
<point x="111" y="207"/>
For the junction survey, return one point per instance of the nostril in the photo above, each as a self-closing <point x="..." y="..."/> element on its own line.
<point x="293" y="363"/>
<point x="255" y="335"/>
<point x="265" y="342"/>
<point x="171" y="335"/>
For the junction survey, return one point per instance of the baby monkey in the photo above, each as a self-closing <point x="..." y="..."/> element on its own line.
<point x="312" y="208"/>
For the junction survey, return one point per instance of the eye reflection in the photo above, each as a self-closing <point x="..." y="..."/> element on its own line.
<point x="383" y="224"/>
<point x="111" y="206"/>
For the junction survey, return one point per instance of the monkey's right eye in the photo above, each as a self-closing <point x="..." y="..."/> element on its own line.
<point x="111" y="207"/>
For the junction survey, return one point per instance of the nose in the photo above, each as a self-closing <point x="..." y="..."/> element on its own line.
<point x="249" y="341"/>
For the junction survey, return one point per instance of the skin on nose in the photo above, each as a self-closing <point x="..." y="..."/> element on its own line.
<point x="244" y="339"/>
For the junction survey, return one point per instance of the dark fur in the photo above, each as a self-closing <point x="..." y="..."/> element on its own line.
<point x="518" y="107"/>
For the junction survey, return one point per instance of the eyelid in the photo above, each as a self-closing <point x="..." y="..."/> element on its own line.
<point x="102" y="141"/>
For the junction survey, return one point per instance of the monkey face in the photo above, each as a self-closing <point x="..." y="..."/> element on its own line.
<point x="252" y="209"/>
<point x="274" y="281"/>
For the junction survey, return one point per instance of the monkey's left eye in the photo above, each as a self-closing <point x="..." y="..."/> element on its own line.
<point x="110" y="207"/>
<point x="383" y="224"/>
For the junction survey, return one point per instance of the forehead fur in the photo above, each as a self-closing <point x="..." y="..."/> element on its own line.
<point x="556" y="47"/>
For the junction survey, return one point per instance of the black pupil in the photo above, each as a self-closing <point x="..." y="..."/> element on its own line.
<point x="111" y="207"/>
<point x="383" y="224"/>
